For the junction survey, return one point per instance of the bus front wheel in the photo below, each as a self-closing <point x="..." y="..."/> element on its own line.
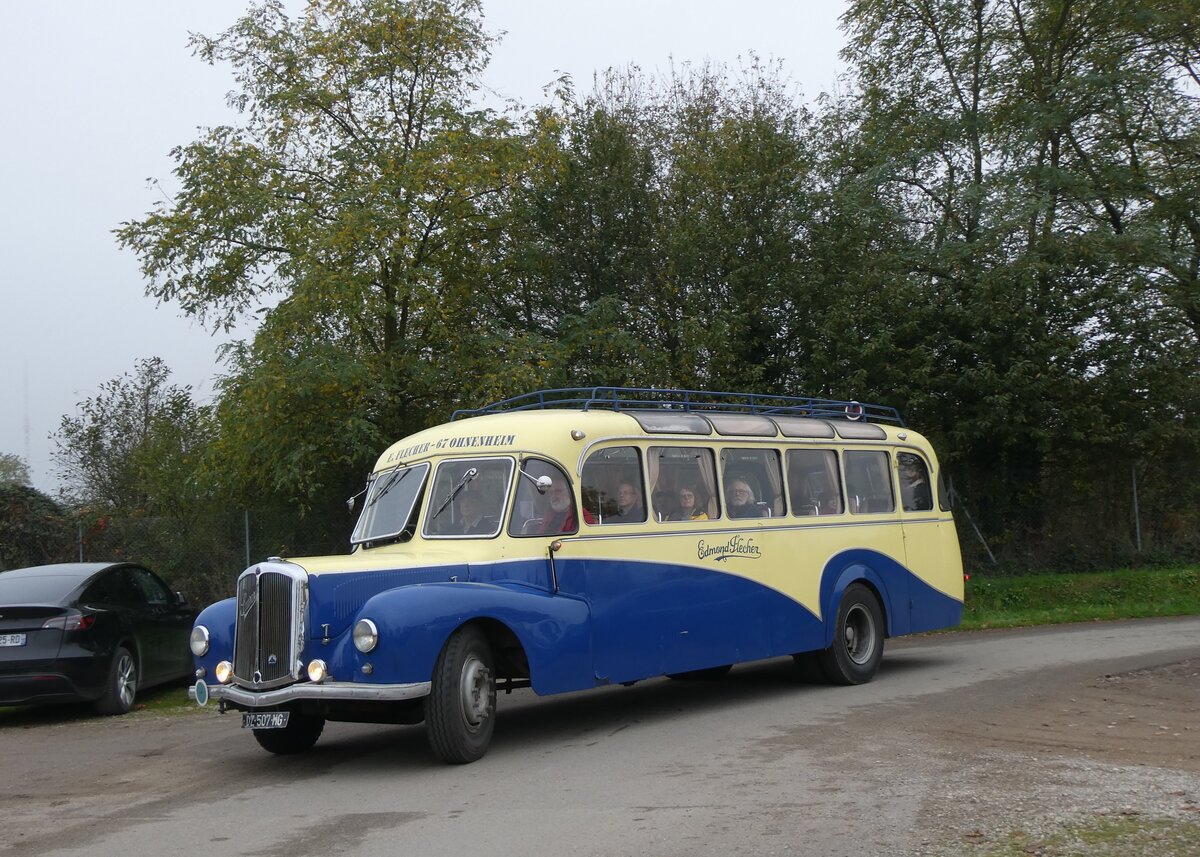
<point x="858" y="635"/>
<point x="460" y="711"/>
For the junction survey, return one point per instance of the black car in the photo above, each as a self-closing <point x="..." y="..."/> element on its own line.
<point x="89" y="631"/>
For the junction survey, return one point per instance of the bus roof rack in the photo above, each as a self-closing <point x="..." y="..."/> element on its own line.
<point x="649" y="398"/>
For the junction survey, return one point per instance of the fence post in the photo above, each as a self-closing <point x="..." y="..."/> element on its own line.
<point x="1137" y="518"/>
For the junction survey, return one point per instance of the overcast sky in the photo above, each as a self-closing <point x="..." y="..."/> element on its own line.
<point x="99" y="93"/>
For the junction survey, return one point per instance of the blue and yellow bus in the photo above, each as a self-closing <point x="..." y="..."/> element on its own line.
<point x="569" y="539"/>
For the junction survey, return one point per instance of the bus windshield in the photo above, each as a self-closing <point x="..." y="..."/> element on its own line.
<point x="391" y="504"/>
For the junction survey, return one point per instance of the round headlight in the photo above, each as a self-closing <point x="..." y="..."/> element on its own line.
<point x="366" y="635"/>
<point x="199" y="641"/>
<point x="317" y="671"/>
<point x="223" y="672"/>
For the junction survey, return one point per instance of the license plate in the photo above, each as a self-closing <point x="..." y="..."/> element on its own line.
<point x="265" y="719"/>
<point x="12" y="639"/>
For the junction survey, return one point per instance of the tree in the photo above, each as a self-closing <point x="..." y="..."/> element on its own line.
<point x="1025" y="148"/>
<point x="136" y="446"/>
<point x="34" y="530"/>
<point x="344" y="208"/>
<point x="13" y="469"/>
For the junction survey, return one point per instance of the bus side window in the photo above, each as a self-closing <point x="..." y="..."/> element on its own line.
<point x="868" y="482"/>
<point x="684" y="480"/>
<point x="915" y="493"/>
<point x="755" y="472"/>
<point x="613" y="487"/>
<point x="814" y="485"/>
<point x="543" y="514"/>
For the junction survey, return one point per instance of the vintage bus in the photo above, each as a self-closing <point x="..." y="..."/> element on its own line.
<point x="569" y="539"/>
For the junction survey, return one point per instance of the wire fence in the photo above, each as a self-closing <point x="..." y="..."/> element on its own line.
<point x="1128" y="518"/>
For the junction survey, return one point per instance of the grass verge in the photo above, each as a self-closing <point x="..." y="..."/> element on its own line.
<point x="1049" y="599"/>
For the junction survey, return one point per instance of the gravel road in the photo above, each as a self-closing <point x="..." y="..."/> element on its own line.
<point x="1054" y="741"/>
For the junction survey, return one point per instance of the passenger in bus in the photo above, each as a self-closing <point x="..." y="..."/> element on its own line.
<point x="471" y="520"/>
<point x="740" y="500"/>
<point x="629" y="505"/>
<point x="690" y="506"/>
<point x="560" y="514"/>
<point x="914" y="488"/>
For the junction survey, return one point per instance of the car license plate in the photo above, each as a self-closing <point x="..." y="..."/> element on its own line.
<point x="265" y="719"/>
<point x="12" y="639"/>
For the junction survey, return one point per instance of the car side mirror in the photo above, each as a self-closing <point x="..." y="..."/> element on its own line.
<point x="180" y="599"/>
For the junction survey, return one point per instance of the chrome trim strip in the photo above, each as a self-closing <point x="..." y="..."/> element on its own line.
<point x="332" y="690"/>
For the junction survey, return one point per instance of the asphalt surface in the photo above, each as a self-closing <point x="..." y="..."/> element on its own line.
<point x="963" y="743"/>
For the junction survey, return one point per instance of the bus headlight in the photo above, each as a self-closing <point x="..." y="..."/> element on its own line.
<point x="199" y="641"/>
<point x="317" y="671"/>
<point x="223" y="672"/>
<point x="366" y="636"/>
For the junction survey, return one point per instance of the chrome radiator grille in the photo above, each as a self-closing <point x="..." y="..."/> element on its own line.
<point x="267" y="636"/>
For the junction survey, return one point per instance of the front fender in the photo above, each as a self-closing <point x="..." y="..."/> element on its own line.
<point x="414" y="623"/>
<point x="219" y="619"/>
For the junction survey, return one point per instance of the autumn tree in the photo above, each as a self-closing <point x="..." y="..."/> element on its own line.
<point x="343" y="209"/>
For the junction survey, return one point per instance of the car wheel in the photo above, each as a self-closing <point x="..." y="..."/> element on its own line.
<point x="858" y="635"/>
<point x="460" y="711"/>
<point x="299" y="735"/>
<point x="121" y="687"/>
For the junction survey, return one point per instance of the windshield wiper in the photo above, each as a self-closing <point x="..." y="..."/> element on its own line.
<point x="462" y="483"/>
<point x="395" y="479"/>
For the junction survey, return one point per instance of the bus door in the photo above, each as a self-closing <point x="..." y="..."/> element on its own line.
<point x="924" y="539"/>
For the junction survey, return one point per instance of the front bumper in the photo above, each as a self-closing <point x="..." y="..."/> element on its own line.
<point x="330" y="691"/>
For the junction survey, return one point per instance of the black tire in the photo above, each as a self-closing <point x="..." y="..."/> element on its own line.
<point x="120" y="688"/>
<point x="857" y="639"/>
<point x="460" y="711"/>
<point x="709" y="674"/>
<point x="298" y="736"/>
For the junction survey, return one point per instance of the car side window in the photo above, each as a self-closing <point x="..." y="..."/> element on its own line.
<point x="152" y="590"/>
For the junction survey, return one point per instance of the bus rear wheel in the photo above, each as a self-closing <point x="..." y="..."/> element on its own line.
<point x="857" y="647"/>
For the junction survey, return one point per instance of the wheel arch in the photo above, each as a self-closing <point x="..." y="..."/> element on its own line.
<point x="838" y="578"/>
<point x="508" y="651"/>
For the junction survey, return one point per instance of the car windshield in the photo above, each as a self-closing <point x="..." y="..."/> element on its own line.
<point x="44" y="589"/>
<point x="391" y="504"/>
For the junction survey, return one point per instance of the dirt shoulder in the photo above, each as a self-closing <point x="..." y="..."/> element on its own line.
<point x="1069" y="765"/>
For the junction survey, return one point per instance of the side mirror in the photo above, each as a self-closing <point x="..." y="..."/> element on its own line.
<point x="541" y="483"/>
<point x="180" y="599"/>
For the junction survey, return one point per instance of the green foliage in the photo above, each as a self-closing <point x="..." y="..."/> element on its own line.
<point x="34" y="530"/>
<point x="344" y="208"/>
<point x="994" y="227"/>
<point x="135" y="445"/>
<point x="13" y="469"/>
<point x="1003" y="602"/>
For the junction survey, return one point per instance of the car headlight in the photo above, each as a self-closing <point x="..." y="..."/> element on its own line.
<point x="199" y="641"/>
<point x="223" y="672"/>
<point x="317" y="671"/>
<point x="366" y="635"/>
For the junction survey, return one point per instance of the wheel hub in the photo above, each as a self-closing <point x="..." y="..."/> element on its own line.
<point x="476" y="690"/>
